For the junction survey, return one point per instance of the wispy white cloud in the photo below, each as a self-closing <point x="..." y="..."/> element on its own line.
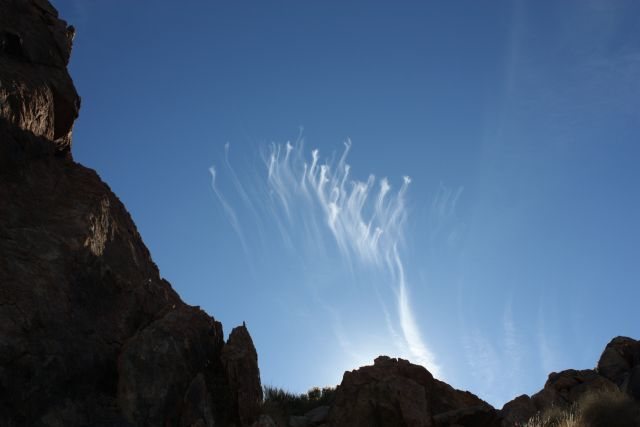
<point x="365" y="219"/>
<point x="410" y="329"/>
<point x="495" y="360"/>
<point x="482" y="357"/>
<point x="236" y="182"/>
<point x="228" y="210"/>
<point x="443" y="221"/>
<point x="548" y="357"/>
<point x="512" y="345"/>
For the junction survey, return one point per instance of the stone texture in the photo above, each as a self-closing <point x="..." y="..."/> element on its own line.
<point x="476" y="416"/>
<point x="561" y="390"/>
<point x="318" y="415"/>
<point x="394" y="392"/>
<point x="90" y="334"/>
<point x="240" y="361"/>
<point x="518" y="410"/>
<point x="264" y="421"/>
<point x="566" y="387"/>
<point x="36" y="92"/>
<point x="298" y="421"/>
<point x="620" y="363"/>
<point x="163" y="370"/>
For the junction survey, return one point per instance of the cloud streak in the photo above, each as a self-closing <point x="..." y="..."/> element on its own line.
<point x="365" y="219"/>
<point x="228" y="210"/>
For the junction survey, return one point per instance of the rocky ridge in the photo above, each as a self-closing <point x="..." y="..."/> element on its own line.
<point x="395" y="392"/>
<point x="91" y="335"/>
<point x="617" y="369"/>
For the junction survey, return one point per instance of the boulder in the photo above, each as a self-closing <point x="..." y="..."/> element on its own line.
<point x="395" y="392"/>
<point x="620" y="363"/>
<point x="264" y="421"/>
<point x="518" y="411"/>
<point x="298" y="421"/>
<point x="318" y="415"/>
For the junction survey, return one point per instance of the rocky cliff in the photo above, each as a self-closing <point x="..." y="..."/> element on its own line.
<point x="90" y="334"/>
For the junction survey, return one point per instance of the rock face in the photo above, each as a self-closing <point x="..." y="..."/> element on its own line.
<point x="37" y="94"/>
<point x="566" y="387"/>
<point x="394" y="392"/>
<point x="618" y="369"/>
<point x="90" y="334"/>
<point x="240" y="362"/>
<point x="518" y="410"/>
<point x="620" y="363"/>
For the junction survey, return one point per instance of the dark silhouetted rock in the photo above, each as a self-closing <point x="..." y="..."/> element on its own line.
<point x="240" y="362"/>
<point x="90" y="334"/>
<point x="298" y="421"/>
<point x="264" y="421"/>
<point x="618" y="370"/>
<point x="565" y="388"/>
<point x="633" y="388"/>
<point x="476" y="416"/>
<point x="318" y="415"/>
<point x="394" y="392"/>
<point x="163" y="371"/>
<point x="620" y="363"/>
<point x="518" y="410"/>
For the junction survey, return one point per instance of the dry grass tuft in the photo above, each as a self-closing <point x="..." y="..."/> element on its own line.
<point x="611" y="409"/>
<point x="596" y="409"/>
<point x="279" y="404"/>
<point x="555" y="417"/>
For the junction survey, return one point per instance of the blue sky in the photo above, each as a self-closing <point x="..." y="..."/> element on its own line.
<point x="512" y="252"/>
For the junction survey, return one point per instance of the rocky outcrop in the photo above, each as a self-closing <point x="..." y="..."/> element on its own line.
<point x="518" y="410"/>
<point x="184" y="346"/>
<point x="394" y="392"/>
<point x="36" y="92"/>
<point x="618" y="369"/>
<point x="240" y="362"/>
<point x="565" y="388"/>
<point x="620" y="363"/>
<point x="90" y="334"/>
